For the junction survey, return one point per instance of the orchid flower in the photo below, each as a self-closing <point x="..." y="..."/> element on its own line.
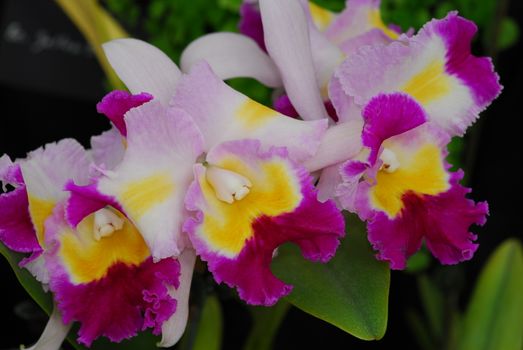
<point x="210" y="170"/>
<point x="400" y="181"/>
<point x="401" y="184"/>
<point x="103" y="263"/>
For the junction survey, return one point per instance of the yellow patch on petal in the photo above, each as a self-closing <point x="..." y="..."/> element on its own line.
<point x="253" y="114"/>
<point x="376" y="22"/>
<point x="87" y="259"/>
<point x="40" y="210"/>
<point x="429" y="84"/>
<point x="274" y="191"/>
<point x="423" y="173"/>
<point x="321" y="17"/>
<point x="139" y="196"/>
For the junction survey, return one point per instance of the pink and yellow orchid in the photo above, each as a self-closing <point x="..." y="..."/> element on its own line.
<point x="102" y="264"/>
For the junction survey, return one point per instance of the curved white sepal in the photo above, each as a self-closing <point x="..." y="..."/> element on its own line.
<point x="143" y="68"/>
<point x="232" y="55"/>
<point x="54" y="333"/>
<point x="174" y="327"/>
<point x="340" y="142"/>
<point x="287" y="39"/>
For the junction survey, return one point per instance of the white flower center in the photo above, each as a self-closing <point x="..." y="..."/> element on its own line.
<point x="105" y="223"/>
<point x="228" y="185"/>
<point x="390" y="161"/>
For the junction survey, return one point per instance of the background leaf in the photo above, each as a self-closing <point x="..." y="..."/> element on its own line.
<point x="209" y="332"/>
<point x="508" y="33"/>
<point x="350" y="292"/>
<point x="433" y="304"/>
<point x="266" y="322"/>
<point x="30" y="284"/>
<point x="494" y="318"/>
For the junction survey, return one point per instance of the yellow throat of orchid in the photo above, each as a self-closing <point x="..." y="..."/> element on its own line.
<point x="238" y="194"/>
<point x="101" y="240"/>
<point x="421" y="172"/>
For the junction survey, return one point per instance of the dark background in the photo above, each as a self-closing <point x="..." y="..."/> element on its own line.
<point x="50" y="83"/>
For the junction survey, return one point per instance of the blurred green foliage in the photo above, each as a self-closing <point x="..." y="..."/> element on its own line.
<point x="172" y="24"/>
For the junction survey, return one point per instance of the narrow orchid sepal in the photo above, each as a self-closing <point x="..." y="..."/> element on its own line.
<point x="340" y="142"/>
<point x="54" y="333"/>
<point x="232" y="55"/>
<point x="143" y="67"/>
<point x="287" y="40"/>
<point x="174" y="327"/>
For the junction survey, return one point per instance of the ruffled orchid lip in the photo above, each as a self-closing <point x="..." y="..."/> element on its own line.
<point x="122" y="278"/>
<point x="450" y="241"/>
<point x="241" y="260"/>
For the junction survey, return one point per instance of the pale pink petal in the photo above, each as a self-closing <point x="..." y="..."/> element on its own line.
<point x="47" y="169"/>
<point x="435" y="67"/>
<point x="108" y="148"/>
<point x="223" y="114"/>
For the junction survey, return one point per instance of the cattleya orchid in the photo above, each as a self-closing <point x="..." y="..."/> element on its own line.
<point x="401" y="184"/>
<point x="103" y="263"/>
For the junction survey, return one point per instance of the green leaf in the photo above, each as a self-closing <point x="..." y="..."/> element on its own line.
<point x="30" y="284"/>
<point x="266" y="322"/>
<point x="350" y="292"/>
<point x="508" y="33"/>
<point x="433" y="304"/>
<point x="419" y="328"/>
<point x="494" y="317"/>
<point x="209" y="333"/>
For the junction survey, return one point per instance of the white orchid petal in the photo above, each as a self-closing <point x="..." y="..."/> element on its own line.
<point x="232" y="55"/>
<point x="143" y="68"/>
